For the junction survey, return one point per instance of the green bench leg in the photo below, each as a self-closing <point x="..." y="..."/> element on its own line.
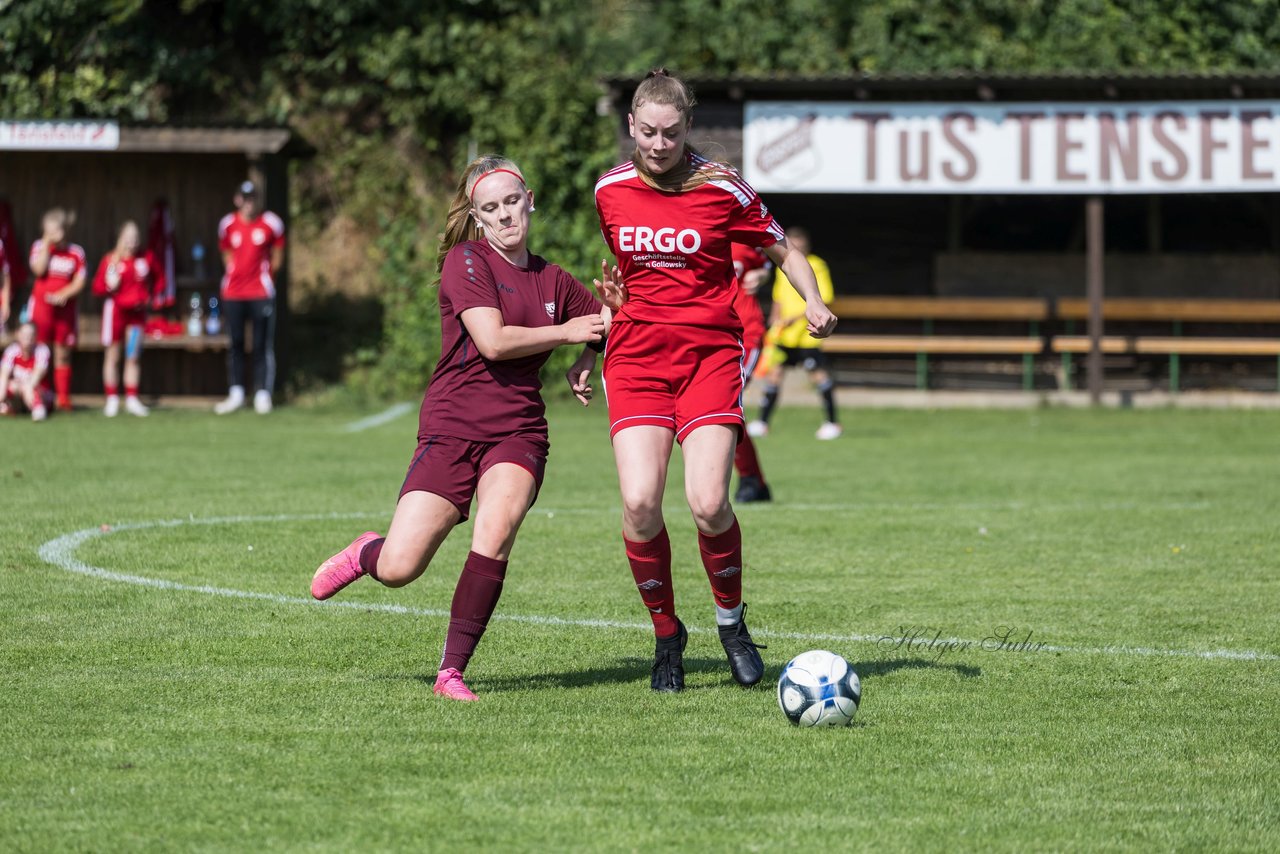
<point x="1029" y="362"/>
<point x="922" y="361"/>
<point x="1175" y="362"/>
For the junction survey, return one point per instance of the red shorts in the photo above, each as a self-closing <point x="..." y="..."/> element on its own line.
<point x="452" y="467"/>
<point x="674" y="376"/>
<point x="115" y="320"/>
<point x="55" y="324"/>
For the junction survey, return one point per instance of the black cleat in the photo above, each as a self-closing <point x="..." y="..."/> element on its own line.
<point x="752" y="488"/>
<point x="743" y="652"/>
<point x="668" y="662"/>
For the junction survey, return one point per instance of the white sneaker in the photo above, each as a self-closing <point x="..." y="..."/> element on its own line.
<point x="235" y="400"/>
<point x="133" y="406"/>
<point x="39" y="413"/>
<point x="756" y="429"/>
<point x="262" y="401"/>
<point x="112" y="408"/>
<point x="829" y="430"/>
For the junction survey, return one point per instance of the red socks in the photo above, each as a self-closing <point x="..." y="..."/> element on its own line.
<point x="474" y="599"/>
<point x="111" y="390"/>
<point x="722" y="557"/>
<point x="745" y="459"/>
<point x="131" y="391"/>
<point x="651" y="568"/>
<point x="62" y="385"/>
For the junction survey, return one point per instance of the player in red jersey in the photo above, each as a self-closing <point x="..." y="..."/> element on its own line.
<point x="482" y="429"/>
<point x="128" y="280"/>
<point x="673" y="367"/>
<point x="252" y="244"/>
<point x="58" y="267"/>
<point x="750" y="268"/>
<point x="24" y="375"/>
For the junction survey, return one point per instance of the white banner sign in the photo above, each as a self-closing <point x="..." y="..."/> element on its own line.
<point x="59" y="136"/>
<point x="1051" y="148"/>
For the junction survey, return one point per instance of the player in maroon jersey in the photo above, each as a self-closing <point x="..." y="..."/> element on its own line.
<point x="750" y="268"/>
<point x="59" y="270"/>
<point x="127" y="280"/>
<point x="252" y="244"/>
<point x="673" y="368"/>
<point x="24" y="375"/>
<point x="482" y="429"/>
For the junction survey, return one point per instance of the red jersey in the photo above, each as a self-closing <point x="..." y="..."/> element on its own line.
<point x="22" y="368"/>
<point x="248" y="274"/>
<point x="746" y="259"/>
<point x="65" y="263"/>
<point x="470" y="397"/>
<point x="139" y="277"/>
<point x="674" y="248"/>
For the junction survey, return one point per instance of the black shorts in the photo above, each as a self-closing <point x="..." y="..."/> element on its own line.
<point x="809" y="358"/>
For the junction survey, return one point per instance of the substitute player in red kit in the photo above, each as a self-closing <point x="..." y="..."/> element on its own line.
<point x="24" y="375"/>
<point x="127" y="280"/>
<point x="673" y="366"/>
<point x="482" y="429"/>
<point x="59" y="270"/>
<point x="750" y="268"/>
<point x="252" y="245"/>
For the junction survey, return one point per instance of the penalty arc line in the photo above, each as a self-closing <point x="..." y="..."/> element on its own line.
<point x="386" y="416"/>
<point x="61" y="551"/>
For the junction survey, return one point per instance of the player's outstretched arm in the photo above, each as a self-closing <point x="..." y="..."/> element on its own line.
<point x="496" y="341"/>
<point x="800" y="274"/>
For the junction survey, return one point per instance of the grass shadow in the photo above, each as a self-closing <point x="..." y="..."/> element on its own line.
<point x="883" y="667"/>
<point x="628" y="669"/>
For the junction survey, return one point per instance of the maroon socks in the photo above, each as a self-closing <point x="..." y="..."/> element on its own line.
<point x="651" y="568"/>
<point x="369" y="556"/>
<point x="745" y="459"/>
<point x="474" y="599"/>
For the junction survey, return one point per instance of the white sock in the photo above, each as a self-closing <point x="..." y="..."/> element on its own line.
<point x="728" y="616"/>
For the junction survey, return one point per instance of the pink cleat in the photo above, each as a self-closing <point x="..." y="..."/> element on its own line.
<point x="341" y="569"/>
<point x="449" y="684"/>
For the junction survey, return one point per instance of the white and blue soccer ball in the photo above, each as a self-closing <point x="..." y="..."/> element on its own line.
<point x="819" y="688"/>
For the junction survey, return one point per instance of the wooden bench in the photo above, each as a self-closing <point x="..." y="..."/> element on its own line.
<point x="927" y="310"/>
<point x="1174" y="312"/>
<point x="171" y="365"/>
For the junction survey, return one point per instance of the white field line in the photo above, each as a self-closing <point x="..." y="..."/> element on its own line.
<point x="60" y="552"/>
<point x="389" y="414"/>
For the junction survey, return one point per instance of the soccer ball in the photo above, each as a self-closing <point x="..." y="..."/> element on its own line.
<point x="819" y="688"/>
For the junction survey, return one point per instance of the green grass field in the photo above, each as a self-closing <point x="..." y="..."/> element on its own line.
<point x="1140" y="547"/>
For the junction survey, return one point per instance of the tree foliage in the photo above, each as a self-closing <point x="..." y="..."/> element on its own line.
<point x="394" y="95"/>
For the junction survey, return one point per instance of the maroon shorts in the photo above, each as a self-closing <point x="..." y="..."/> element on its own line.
<point x="452" y="467"/>
<point x="115" y="320"/>
<point x="55" y="324"/>
<point x="674" y="376"/>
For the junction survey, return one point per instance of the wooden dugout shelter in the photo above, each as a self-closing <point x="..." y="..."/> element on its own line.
<point x="108" y="173"/>
<point x="1050" y="188"/>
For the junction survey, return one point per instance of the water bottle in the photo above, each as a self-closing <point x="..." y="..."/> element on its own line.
<point x="197" y="260"/>
<point x="193" y="321"/>
<point x="213" y="323"/>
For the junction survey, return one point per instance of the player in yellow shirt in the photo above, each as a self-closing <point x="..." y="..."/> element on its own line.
<point x="795" y="346"/>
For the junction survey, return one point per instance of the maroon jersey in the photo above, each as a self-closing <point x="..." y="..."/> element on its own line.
<point x="470" y="397"/>
<point x="674" y="248"/>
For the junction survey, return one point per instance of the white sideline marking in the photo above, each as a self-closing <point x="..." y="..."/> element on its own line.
<point x="391" y="413"/>
<point x="60" y="552"/>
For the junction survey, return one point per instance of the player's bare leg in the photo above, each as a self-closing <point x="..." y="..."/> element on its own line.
<point x="642" y="454"/>
<point x="111" y="379"/>
<point x="421" y="522"/>
<point x="133" y="371"/>
<point x="708" y="462"/>
<point x="503" y="497"/>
